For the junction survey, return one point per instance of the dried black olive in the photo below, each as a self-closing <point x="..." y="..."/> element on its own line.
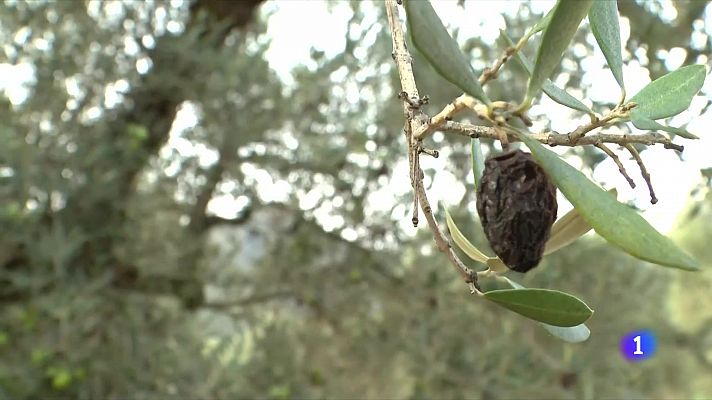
<point x="516" y="202"/>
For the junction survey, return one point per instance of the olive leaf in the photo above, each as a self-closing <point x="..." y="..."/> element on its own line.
<point x="619" y="224"/>
<point x="573" y="334"/>
<point x="670" y="94"/>
<point x="603" y="17"/>
<point x="493" y="263"/>
<point x="440" y="49"/>
<point x="567" y="229"/>
<point x="565" y="19"/>
<point x="496" y="265"/>
<point x="478" y="160"/>
<point x="541" y="25"/>
<point x="642" y="122"/>
<point x="462" y="242"/>
<point x="544" y="305"/>
<point x="554" y="92"/>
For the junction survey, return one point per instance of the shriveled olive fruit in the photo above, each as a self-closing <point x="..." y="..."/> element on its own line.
<point x="516" y="202"/>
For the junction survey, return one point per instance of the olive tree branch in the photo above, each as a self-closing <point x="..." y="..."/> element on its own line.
<point x="561" y="139"/>
<point x="411" y="103"/>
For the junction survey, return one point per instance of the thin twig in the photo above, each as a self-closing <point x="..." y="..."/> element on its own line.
<point x="411" y="165"/>
<point x="407" y="79"/>
<point x="491" y="73"/>
<point x="416" y="180"/>
<point x="618" y="162"/>
<point x="643" y="171"/>
<point x="431" y="152"/>
<point x="460" y="103"/>
<point x="618" y="112"/>
<point x="560" y="139"/>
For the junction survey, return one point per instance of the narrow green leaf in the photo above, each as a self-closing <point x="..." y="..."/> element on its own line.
<point x="572" y="334"/>
<point x="642" y="122"/>
<point x="567" y="16"/>
<point x="462" y="242"/>
<point x="557" y="94"/>
<point x="603" y="17"/>
<point x="541" y="25"/>
<point x="619" y="224"/>
<point x="544" y="305"/>
<point x="440" y="49"/>
<point x="670" y="94"/>
<point x="567" y="229"/>
<point x="478" y="160"/>
<point x="563" y="97"/>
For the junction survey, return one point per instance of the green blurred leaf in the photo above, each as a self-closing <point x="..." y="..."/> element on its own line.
<point x="642" y="122"/>
<point x="478" y="161"/>
<point x="462" y="242"/>
<point x="543" y="305"/>
<point x="603" y="17"/>
<point x="137" y="132"/>
<point x="619" y="224"/>
<point x="670" y="94"/>
<point x="355" y="274"/>
<point x="566" y="17"/>
<point x="38" y="356"/>
<point x="556" y="93"/>
<point x="61" y="378"/>
<point x="279" y="392"/>
<point x="440" y="49"/>
<point x="572" y="334"/>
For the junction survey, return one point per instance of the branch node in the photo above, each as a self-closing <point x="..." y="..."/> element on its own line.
<point x="431" y="152"/>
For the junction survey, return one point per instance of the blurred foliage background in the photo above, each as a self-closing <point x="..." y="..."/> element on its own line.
<point x="122" y="275"/>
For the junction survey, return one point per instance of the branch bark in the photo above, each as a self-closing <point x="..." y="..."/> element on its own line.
<point x="561" y="139"/>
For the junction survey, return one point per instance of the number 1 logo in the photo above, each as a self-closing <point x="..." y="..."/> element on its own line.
<point x="638" y="345"/>
<point x="637" y="351"/>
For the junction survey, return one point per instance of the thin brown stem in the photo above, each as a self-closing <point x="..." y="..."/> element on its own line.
<point x="416" y="181"/>
<point x="618" y="162"/>
<point x="618" y="112"/>
<point x="560" y="139"/>
<point x="491" y="73"/>
<point x="643" y="171"/>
